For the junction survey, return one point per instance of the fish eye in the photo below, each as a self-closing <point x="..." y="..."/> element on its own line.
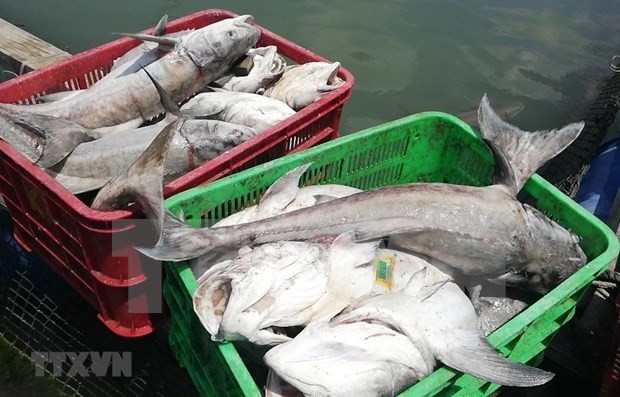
<point x="231" y="33"/>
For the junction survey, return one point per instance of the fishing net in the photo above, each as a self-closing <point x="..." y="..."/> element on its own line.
<point x="40" y="312"/>
<point x="566" y="170"/>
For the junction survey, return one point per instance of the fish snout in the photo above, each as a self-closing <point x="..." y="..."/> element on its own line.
<point x="244" y="20"/>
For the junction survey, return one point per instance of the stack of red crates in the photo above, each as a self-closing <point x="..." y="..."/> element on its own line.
<point x="77" y="241"/>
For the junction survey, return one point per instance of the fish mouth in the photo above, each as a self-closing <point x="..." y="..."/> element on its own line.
<point x="244" y="20"/>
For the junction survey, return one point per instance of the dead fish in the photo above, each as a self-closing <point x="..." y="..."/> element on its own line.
<point x="197" y="59"/>
<point x="478" y="230"/>
<point x="283" y="284"/>
<point x="251" y="110"/>
<point x="44" y="140"/>
<point x="386" y="343"/>
<point x="283" y="196"/>
<point x="267" y="67"/>
<point x="506" y="113"/>
<point x="302" y="85"/>
<point x="93" y="164"/>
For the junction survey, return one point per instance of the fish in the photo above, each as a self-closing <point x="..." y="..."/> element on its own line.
<point x="477" y="230"/>
<point x="506" y="112"/>
<point x="283" y="196"/>
<point x="283" y="284"/>
<point x="196" y="59"/>
<point x="93" y="164"/>
<point x="251" y="110"/>
<point x="44" y="140"/>
<point x="386" y="343"/>
<point x="267" y="67"/>
<point x="302" y="85"/>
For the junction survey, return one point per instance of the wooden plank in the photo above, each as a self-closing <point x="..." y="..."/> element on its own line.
<point x="29" y="51"/>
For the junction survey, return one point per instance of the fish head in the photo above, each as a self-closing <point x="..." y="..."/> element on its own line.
<point x="552" y="255"/>
<point x="223" y="42"/>
<point x="543" y="275"/>
<point x="327" y="77"/>
<point x="326" y="359"/>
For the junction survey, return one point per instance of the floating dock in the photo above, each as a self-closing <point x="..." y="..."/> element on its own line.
<point x="25" y="51"/>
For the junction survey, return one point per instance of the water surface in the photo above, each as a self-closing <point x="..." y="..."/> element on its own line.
<point x="407" y="56"/>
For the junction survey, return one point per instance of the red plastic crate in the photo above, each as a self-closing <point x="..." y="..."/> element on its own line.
<point x="611" y="378"/>
<point x="77" y="241"/>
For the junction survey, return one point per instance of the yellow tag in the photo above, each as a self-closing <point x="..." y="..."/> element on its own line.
<point x="384" y="271"/>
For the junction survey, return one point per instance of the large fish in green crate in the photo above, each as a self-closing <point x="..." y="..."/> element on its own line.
<point x="479" y="230"/>
<point x="383" y="344"/>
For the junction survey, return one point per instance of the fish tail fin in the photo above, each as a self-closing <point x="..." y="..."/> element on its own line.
<point x="57" y="146"/>
<point x="525" y="151"/>
<point x="141" y="182"/>
<point x="469" y="352"/>
<point x="178" y="241"/>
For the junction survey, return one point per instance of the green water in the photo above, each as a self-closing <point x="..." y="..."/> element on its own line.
<point x="406" y="56"/>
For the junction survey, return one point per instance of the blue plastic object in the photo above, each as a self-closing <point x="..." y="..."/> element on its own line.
<point x="601" y="183"/>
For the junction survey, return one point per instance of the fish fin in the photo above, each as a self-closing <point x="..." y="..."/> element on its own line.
<point x="160" y="28"/>
<point x="59" y="136"/>
<point x="349" y="252"/>
<point x="58" y="146"/>
<point x="142" y="182"/>
<point x="267" y="337"/>
<point x="504" y="174"/>
<point x="416" y="282"/>
<point x="164" y="42"/>
<point x="178" y="241"/>
<point x="469" y="352"/>
<point x="322" y="198"/>
<point x="76" y="184"/>
<point x="166" y="101"/>
<point x="525" y="151"/>
<point x="284" y="190"/>
<point x="103" y="132"/>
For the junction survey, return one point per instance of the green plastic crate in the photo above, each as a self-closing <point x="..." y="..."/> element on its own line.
<point x="426" y="147"/>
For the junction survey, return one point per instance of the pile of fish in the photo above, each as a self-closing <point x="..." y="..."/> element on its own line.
<point x="377" y="278"/>
<point x="230" y="91"/>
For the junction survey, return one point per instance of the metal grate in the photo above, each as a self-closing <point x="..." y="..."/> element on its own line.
<point x="41" y="312"/>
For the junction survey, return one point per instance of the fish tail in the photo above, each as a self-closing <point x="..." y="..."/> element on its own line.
<point x="469" y="352"/>
<point x="179" y="242"/>
<point x="525" y="151"/>
<point x="142" y="182"/>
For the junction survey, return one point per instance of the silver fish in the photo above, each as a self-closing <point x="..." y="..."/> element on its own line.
<point x="283" y="284"/>
<point x="302" y="85"/>
<point x="388" y="342"/>
<point x="252" y="110"/>
<point x="267" y="67"/>
<point x="197" y="59"/>
<point x="478" y="230"/>
<point x="193" y="142"/>
<point x="283" y="196"/>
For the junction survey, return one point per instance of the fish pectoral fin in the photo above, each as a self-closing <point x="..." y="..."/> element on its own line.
<point x="103" y="132"/>
<point x="166" y="100"/>
<point x="283" y="191"/>
<point x="352" y="253"/>
<point x="469" y="352"/>
<point x="268" y="337"/>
